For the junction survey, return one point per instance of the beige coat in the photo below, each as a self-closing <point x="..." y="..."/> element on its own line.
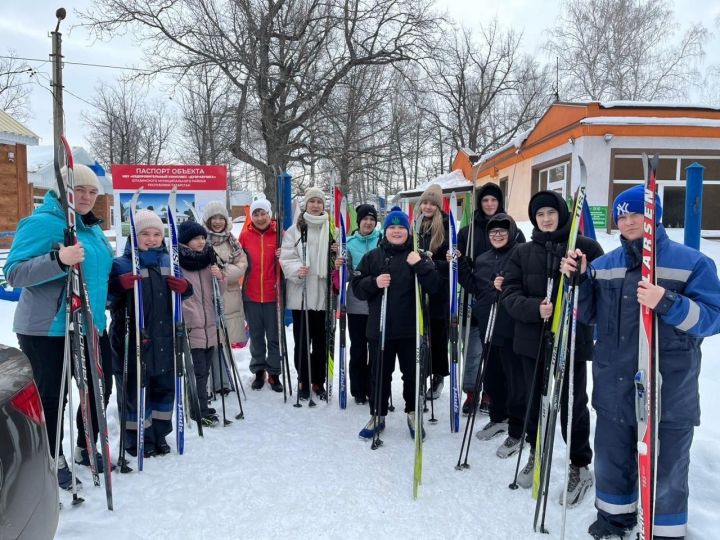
<point x="233" y="268"/>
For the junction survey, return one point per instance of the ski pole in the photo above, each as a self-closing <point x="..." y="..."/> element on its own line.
<point x="380" y="375"/>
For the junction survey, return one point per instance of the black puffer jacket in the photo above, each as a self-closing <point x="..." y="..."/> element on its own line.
<point x="388" y="258"/>
<point x="480" y="221"/>
<point x="439" y="302"/>
<point x="478" y="280"/>
<point x="525" y="285"/>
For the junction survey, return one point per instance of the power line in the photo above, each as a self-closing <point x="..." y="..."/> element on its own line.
<point x="86" y="64"/>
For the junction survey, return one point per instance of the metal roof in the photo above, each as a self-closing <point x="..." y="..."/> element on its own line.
<point x="13" y="132"/>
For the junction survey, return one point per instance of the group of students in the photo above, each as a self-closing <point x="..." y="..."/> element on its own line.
<point x="513" y="278"/>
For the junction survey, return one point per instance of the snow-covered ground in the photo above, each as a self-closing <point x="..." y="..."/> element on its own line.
<point x="303" y="473"/>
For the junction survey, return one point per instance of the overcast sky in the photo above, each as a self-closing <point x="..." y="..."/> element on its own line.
<point x="26" y="31"/>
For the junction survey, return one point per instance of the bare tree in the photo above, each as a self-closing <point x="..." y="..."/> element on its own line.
<point x="353" y="131"/>
<point x="624" y="50"/>
<point x="285" y="57"/>
<point x="486" y="90"/>
<point x="14" y="87"/>
<point x="125" y="127"/>
<point x="207" y="116"/>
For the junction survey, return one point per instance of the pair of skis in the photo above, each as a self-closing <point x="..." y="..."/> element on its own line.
<point x="453" y="281"/>
<point x="648" y="379"/>
<point x="421" y="353"/>
<point x="80" y="331"/>
<point x="555" y="372"/>
<point x="280" y="288"/>
<point x="341" y="313"/>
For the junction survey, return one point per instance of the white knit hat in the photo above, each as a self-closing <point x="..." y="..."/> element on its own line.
<point x="313" y="192"/>
<point x="147" y="219"/>
<point x="83" y="176"/>
<point x="261" y="204"/>
<point x="216" y="208"/>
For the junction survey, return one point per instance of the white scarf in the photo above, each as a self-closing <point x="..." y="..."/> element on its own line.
<point x="317" y="252"/>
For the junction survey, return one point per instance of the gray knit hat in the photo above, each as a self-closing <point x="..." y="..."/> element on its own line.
<point x="147" y="219"/>
<point x="313" y="192"/>
<point x="216" y="208"/>
<point x="432" y="194"/>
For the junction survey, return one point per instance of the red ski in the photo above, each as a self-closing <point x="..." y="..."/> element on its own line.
<point x="647" y="379"/>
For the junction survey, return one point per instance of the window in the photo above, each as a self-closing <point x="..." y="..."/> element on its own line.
<point x="504" y="189"/>
<point x="554" y="178"/>
<point x="672" y="176"/>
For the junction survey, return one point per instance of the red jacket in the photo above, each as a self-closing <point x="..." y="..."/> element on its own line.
<point x="261" y="275"/>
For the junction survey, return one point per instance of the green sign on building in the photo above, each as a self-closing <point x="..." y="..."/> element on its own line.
<point x="599" y="216"/>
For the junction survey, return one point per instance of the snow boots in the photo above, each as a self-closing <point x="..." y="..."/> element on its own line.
<point x="437" y="382"/>
<point x="580" y="480"/>
<point x="65" y="476"/>
<point x="509" y="447"/>
<point x="259" y="381"/>
<point x="368" y="432"/>
<point x="525" y="478"/>
<point x="274" y="383"/>
<point x="491" y="429"/>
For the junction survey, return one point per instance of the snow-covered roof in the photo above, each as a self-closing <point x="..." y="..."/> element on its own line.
<point x="650" y="121"/>
<point x="515" y="142"/>
<point x="657" y="105"/>
<point x="13" y="132"/>
<point x="453" y="181"/>
<point x="41" y="171"/>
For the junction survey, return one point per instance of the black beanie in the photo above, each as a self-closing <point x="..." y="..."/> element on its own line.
<point x="365" y="210"/>
<point x="188" y="230"/>
<point x="550" y="199"/>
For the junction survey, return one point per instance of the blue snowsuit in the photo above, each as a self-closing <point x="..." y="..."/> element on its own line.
<point x="157" y="343"/>
<point x="689" y="311"/>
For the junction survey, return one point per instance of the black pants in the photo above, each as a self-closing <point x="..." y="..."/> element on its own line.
<point x="404" y="350"/>
<point x="438" y="364"/>
<point x="202" y="359"/>
<point x="580" y="450"/>
<point x="318" y="353"/>
<point x="506" y="387"/>
<point x="46" y="356"/>
<point x="359" y="357"/>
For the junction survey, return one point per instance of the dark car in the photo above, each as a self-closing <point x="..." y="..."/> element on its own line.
<point x="29" y="505"/>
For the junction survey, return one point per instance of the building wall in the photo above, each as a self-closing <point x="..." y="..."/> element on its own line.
<point x="15" y="197"/>
<point x="597" y="153"/>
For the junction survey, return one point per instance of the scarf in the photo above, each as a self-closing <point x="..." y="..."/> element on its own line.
<point x="216" y="239"/>
<point x="317" y="253"/>
<point x="196" y="260"/>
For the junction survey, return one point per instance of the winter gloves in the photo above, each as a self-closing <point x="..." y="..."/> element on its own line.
<point x="177" y="284"/>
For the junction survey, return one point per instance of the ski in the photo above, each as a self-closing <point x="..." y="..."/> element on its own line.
<point x="420" y="353"/>
<point x="178" y="325"/>
<point x="139" y="334"/>
<point x="330" y="311"/>
<point x="555" y="371"/>
<point x="280" y="291"/>
<point x="84" y="329"/>
<point x="647" y="379"/>
<point x="227" y="362"/>
<point x="453" y="280"/>
<point x="342" y="307"/>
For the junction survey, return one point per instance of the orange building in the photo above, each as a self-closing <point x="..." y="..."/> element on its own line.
<point x="611" y="138"/>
